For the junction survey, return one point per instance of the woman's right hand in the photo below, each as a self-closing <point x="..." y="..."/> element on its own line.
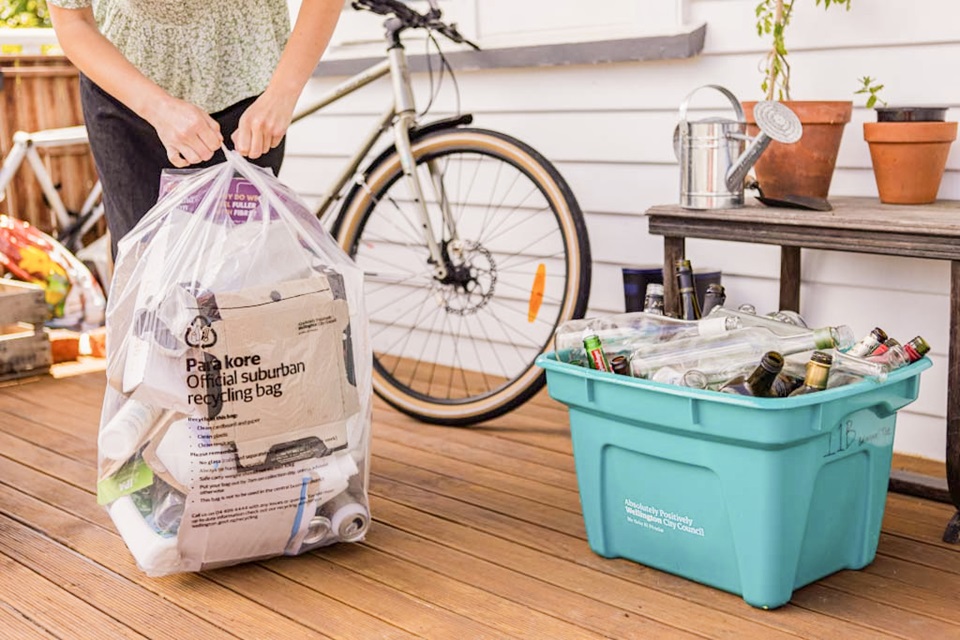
<point x="187" y="132"/>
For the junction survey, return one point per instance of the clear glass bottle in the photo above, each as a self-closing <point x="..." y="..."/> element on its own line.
<point x="689" y="305"/>
<point x="866" y="345"/>
<point x="623" y="333"/>
<point x="847" y="369"/>
<point x="713" y="354"/>
<point x="691" y="378"/>
<point x="653" y="299"/>
<point x="818" y="373"/>
<point x="760" y="382"/>
<point x="751" y="319"/>
<point x="714" y="296"/>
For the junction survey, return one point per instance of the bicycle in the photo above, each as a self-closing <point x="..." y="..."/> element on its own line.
<point x="473" y="246"/>
<point x="72" y="227"/>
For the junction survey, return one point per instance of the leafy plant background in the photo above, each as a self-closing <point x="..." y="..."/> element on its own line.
<point x="24" y="13"/>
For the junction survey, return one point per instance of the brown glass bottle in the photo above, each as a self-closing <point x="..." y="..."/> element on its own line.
<point x="689" y="305"/>
<point x="760" y="382"/>
<point x="818" y="373"/>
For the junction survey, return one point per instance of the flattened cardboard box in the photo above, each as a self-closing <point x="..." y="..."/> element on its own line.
<point x="272" y="378"/>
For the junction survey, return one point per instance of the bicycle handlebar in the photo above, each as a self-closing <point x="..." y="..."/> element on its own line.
<point x="411" y="19"/>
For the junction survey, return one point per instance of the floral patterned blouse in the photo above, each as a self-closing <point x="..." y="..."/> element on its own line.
<point x="212" y="53"/>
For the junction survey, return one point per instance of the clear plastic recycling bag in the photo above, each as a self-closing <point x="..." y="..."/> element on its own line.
<point x="236" y="423"/>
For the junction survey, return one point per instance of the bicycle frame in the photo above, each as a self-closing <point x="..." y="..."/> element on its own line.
<point x="402" y="114"/>
<point x="25" y="146"/>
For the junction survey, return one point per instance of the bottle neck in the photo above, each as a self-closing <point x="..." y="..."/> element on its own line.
<point x="807" y="341"/>
<point x="762" y="378"/>
<point x="817" y="375"/>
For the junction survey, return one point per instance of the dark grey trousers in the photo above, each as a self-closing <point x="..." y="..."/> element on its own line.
<point x="129" y="155"/>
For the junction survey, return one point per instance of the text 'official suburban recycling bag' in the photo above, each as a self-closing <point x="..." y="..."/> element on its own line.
<point x="236" y="424"/>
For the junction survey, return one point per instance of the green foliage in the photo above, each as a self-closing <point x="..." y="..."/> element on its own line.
<point x="869" y="87"/>
<point x="773" y="16"/>
<point x="24" y="13"/>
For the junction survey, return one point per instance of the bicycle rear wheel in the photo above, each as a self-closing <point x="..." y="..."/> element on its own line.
<point x="460" y="349"/>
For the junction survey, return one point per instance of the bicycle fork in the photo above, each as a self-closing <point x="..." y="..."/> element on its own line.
<point x="405" y="121"/>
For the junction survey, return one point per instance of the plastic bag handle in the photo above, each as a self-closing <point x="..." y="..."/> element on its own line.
<point x="249" y="171"/>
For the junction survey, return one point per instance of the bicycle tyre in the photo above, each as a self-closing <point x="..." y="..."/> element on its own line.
<point x="468" y="311"/>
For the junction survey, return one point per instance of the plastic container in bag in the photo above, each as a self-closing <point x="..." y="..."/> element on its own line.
<point x="236" y="424"/>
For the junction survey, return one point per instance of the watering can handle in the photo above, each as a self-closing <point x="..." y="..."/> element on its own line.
<point x="733" y="100"/>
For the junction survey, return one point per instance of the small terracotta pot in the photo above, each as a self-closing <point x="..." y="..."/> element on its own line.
<point x="804" y="168"/>
<point x="909" y="158"/>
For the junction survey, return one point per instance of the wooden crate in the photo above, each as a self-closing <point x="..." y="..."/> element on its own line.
<point x="24" y="344"/>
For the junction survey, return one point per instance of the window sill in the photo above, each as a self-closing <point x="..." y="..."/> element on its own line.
<point x="683" y="45"/>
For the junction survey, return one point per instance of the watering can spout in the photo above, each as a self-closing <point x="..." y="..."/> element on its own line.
<point x="745" y="162"/>
<point x="776" y="122"/>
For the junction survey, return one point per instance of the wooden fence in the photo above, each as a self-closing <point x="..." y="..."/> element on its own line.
<point x="43" y="92"/>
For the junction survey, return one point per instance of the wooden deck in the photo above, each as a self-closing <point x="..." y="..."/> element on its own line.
<point x="477" y="534"/>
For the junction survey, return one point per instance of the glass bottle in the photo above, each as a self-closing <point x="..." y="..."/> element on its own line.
<point x="916" y="348"/>
<point x="789" y="317"/>
<point x="714" y="296"/>
<point x="653" y="299"/>
<point x="595" y="356"/>
<point x="847" y="369"/>
<point x="818" y="372"/>
<point x="789" y="378"/>
<point x="742" y="347"/>
<point x="868" y="343"/>
<point x="751" y="319"/>
<point x="691" y="378"/>
<point x="887" y="344"/>
<point x="624" y="332"/>
<point x="619" y="365"/>
<point x="689" y="305"/>
<point x="760" y="382"/>
<point x="892" y="355"/>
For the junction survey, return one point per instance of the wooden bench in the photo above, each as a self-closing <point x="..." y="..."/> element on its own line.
<point x="860" y="225"/>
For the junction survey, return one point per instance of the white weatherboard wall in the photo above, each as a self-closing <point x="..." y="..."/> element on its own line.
<point x="608" y="128"/>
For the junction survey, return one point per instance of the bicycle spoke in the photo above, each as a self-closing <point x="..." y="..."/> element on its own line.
<point x="470" y="339"/>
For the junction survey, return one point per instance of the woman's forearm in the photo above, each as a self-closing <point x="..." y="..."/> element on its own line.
<point x="99" y="60"/>
<point x="311" y="34"/>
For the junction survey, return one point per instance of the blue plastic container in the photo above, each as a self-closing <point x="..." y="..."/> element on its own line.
<point x="756" y="496"/>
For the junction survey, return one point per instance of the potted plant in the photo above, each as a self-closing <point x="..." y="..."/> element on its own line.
<point x="909" y="146"/>
<point x="806" y="167"/>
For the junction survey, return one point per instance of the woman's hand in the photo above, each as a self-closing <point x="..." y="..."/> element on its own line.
<point x="187" y="132"/>
<point x="264" y="123"/>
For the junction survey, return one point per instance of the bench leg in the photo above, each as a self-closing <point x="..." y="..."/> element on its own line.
<point x="790" y="279"/>
<point x="673" y="250"/>
<point x="952" y="533"/>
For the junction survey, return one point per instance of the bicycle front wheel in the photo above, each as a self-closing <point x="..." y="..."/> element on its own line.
<point x="459" y="348"/>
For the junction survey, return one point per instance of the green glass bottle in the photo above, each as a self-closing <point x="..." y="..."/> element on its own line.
<point x="760" y="382"/>
<point x="595" y="356"/>
<point x="818" y="373"/>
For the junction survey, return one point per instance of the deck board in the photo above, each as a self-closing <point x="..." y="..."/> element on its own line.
<point x="477" y="533"/>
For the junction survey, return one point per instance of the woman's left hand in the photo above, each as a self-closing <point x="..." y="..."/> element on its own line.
<point x="264" y="123"/>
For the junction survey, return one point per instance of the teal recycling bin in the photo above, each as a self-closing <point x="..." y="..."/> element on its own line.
<point x="756" y="496"/>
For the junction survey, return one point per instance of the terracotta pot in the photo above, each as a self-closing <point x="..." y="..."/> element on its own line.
<point x="909" y="158"/>
<point x="804" y="168"/>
